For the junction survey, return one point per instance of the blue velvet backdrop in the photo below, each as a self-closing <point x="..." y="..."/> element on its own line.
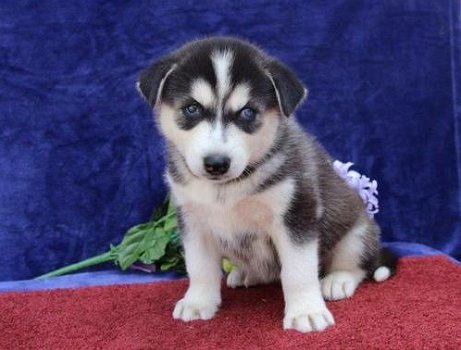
<point x="80" y="161"/>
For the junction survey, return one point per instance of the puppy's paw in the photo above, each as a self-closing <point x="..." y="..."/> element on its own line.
<point x="339" y="285"/>
<point x="235" y="278"/>
<point x="309" y="321"/>
<point x="189" y="310"/>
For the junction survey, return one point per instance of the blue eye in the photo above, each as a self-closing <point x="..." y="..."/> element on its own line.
<point x="192" y="110"/>
<point x="247" y="114"/>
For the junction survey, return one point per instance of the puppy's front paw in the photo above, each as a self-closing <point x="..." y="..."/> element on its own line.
<point x="189" y="310"/>
<point x="308" y="321"/>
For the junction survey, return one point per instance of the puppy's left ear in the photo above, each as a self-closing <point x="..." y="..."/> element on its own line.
<point x="152" y="79"/>
<point x="289" y="89"/>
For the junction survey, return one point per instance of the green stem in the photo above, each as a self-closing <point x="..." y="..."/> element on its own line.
<point x="164" y="218"/>
<point x="95" y="260"/>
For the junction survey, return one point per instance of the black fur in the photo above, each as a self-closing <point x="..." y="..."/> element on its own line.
<point x="191" y="65"/>
<point x="175" y="161"/>
<point x="187" y="122"/>
<point x="250" y="65"/>
<point x="291" y="91"/>
<point x="180" y="219"/>
<point x="379" y="257"/>
<point x="248" y="127"/>
<point x="300" y="218"/>
<point x="150" y="78"/>
<point x="279" y="143"/>
<point x="172" y="166"/>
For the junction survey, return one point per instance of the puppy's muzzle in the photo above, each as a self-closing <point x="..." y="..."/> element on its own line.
<point x="216" y="165"/>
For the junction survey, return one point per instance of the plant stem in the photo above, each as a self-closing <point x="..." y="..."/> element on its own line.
<point x="95" y="260"/>
<point x="164" y="218"/>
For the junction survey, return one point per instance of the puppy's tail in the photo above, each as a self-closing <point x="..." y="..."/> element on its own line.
<point x="386" y="265"/>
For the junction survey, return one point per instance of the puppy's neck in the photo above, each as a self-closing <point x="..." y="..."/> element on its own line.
<point x="198" y="190"/>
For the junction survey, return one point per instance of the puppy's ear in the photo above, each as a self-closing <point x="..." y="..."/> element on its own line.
<point x="288" y="88"/>
<point x="152" y="79"/>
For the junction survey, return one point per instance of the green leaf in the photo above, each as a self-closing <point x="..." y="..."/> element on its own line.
<point x="134" y="237"/>
<point x="155" y="247"/>
<point x="133" y="244"/>
<point x="171" y="223"/>
<point x="169" y="263"/>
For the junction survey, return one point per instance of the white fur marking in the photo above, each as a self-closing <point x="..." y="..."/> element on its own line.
<point x="138" y="87"/>
<point x="239" y="97"/>
<point x="222" y="62"/>
<point x="202" y="92"/>
<point x="277" y="93"/>
<point x="382" y="273"/>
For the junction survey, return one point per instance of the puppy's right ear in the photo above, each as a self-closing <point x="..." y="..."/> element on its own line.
<point x="152" y="79"/>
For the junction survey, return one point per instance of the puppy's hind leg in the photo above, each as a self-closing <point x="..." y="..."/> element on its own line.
<point x="345" y="272"/>
<point x="240" y="278"/>
<point x="235" y="278"/>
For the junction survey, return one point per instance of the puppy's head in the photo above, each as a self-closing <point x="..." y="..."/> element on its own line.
<point x="220" y="101"/>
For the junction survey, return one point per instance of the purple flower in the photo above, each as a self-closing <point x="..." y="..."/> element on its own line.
<point x="140" y="266"/>
<point x="367" y="189"/>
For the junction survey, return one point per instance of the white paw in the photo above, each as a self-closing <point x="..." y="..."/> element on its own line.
<point x="189" y="310"/>
<point x="339" y="285"/>
<point x="308" y="321"/>
<point x="235" y="278"/>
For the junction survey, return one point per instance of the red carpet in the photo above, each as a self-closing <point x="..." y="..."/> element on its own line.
<point x="420" y="308"/>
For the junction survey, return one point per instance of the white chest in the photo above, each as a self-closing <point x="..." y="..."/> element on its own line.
<point x="230" y="210"/>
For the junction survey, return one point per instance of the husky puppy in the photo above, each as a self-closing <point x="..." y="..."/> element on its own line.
<point x="250" y="185"/>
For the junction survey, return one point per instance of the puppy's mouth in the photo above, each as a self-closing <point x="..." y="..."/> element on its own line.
<point x="218" y="178"/>
<point x="228" y="179"/>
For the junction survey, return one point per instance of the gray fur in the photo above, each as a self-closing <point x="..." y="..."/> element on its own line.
<point x="241" y="252"/>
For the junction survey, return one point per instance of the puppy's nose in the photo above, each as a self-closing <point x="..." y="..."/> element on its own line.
<point x="216" y="164"/>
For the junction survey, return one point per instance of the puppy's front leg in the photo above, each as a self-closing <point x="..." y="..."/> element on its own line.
<point x="203" y="296"/>
<point x="305" y="309"/>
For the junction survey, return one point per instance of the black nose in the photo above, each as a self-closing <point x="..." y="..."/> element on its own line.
<point x="216" y="165"/>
